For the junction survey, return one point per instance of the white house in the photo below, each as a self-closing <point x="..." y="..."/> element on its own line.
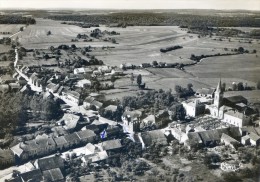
<point x="84" y="83"/>
<point x="82" y="71"/>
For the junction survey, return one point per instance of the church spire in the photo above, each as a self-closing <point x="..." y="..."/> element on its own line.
<point x="219" y="86"/>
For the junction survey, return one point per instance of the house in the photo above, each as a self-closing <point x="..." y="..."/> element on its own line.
<point x="14" y="87"/>
<point x="234" y="100"/>
<point x="72" y="96"/>
<point x="227" y="140"/>
<point x="49" y="163"/>
<point x="145" y="65"/>
<point x="104" y="69"/>
<point x="90" y="101"/>
<point x="6" y="79"/>
<point x="53" y="88"/>
<point x="82" y="71"/>
<point x="194" y="140"/>
<point x="59" y="131"/>
<point x="113" y="130"/>
<point x="61" y="143"/>
<point x="60" y="90"/>
<point x="69" y="121"/>
<point x="149" y="120"/>
<point x="72" y="139"/>
<point x="99" y="156"/>
<point x="126" y="66"/>
<point x="254" y="139"/>
<point x="117" y="72"/>
<point x="34" y="148"/>
<point x="131" y="120"/>
<point x="211" y="137"/>
<point x="111" y="145"/>
<point x="35" y="80"/>
<point x="236" y="118"/>
<point x="155" y="136"/>
<point x="85" y="83"/>
<point x="205" y="92"/>
<point x="95" y="157"/>
<point x="4" y="88"/>
<point x="178" y="134"/>
<point x="97" y="126"/>
<point x="245" y="140"/>
<point x="111" y="108"/>
<point x="53" y="175"/>
<point x="193" y="108"/>
<point x="86" y="136"/>
<point x="35" y="176"/>
<point x="6" y="158"/>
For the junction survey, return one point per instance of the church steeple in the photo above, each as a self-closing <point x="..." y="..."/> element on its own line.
<point x="219" y="86"/>
<point x="218" y="95"/>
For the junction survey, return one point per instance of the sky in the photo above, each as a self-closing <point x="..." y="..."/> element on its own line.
<point x="130" y="4"/>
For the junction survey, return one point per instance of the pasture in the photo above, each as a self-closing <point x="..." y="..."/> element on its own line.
<point x="141" y="44"/>
<point x="12" y="28"/>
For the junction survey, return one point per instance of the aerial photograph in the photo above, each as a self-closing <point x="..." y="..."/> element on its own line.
<point x="129" y="90"/>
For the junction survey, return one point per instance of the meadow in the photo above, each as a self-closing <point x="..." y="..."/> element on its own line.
<point x="141" y="44"/>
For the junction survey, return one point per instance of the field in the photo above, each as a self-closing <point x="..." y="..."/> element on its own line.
<point x="14" y="28"/>
<point x="141" y="44"/>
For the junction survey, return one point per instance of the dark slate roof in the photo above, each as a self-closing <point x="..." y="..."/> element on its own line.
<point x="37" y="143"/>
<point x="154" y="136"/>
<point x="85" y="134"/>
<point x="53" y="175"/>
<point x="236" y="99"/>
<point x="35" y="176"/>
<point x="72" y="137"/>
<point x="17" y="179"/>
<point x="50" y="163"/>
<point x="194" y="138"/>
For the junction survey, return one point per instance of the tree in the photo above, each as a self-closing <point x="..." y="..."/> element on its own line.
<point x="240" y="86"/>
<point x="234" y="86"/>
<point x="49" y="32"/>
<point x="139" y="79"/>
<point x="178" y="88"/>
<point x="189" y="86"/>
<point x="258" y="85"/>
<point x="4" y="58"/>
<point x="132" y="78"/>
<point x="155" y="63"/>
<point x="211" y="158"/>
<point x="113" y="78"/>
<point x="73" y="46"/>
<point x="231" y="177"/>
<point x="240" y="49"/>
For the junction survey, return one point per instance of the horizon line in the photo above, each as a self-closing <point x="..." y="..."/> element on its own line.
<point x="120" y="9"/>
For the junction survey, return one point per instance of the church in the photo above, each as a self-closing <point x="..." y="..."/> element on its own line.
<point x="232" y="110"/>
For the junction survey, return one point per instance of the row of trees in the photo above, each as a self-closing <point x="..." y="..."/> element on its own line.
<point x="167" y="18"/>
<point x="12" y="19"/>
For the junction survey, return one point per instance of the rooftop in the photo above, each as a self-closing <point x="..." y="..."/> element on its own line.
<point x="111" y="144"/>
<point x="53" y="175"/>
<point x="50" y="163"/>
<point x="235" y="114"/>
<point x="85" y="134"/>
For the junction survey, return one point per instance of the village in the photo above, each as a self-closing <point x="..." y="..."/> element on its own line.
<point x="92" y="100"/>
<point x="94" y="131"/>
